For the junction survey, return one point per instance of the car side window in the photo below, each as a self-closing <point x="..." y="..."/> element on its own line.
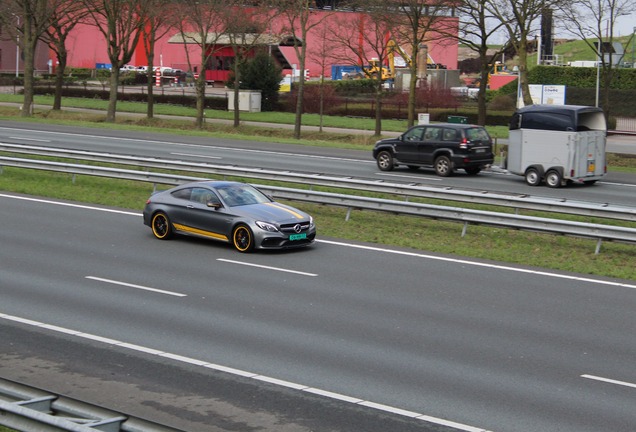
<point x="432" y="134"/>
<point x="203" y="196"/>
<point x="183" y="194"/>
<point x="413" y="134"/>
<point x="450" y="135"/>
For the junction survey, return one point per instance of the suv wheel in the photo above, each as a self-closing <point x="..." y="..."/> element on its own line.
<point x="385" y="161"/>
<point x="443" y="166"/>
<point x="472" y="170"/>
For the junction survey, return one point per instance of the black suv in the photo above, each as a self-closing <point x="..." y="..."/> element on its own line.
<point x="445" y="146"/>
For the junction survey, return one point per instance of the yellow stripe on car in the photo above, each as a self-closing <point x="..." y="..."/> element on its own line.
<point x="200" y="232"/>
<point x="295" y="214"/>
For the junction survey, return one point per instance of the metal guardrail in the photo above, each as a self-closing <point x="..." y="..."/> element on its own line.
<point x="466" y="216"/>
<point x="30" y="409"/>
<point x="516" y="201"/>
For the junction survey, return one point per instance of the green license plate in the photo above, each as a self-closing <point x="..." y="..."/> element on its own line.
<point x="298" y="236"/>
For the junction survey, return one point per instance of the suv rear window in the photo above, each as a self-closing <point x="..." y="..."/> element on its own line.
<point x="477" y="134"/>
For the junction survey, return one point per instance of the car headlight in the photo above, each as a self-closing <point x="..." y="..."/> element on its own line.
<point x="311" y="221"/>
<point x="266" y="226"/>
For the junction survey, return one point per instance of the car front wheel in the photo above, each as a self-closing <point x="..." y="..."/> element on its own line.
<point x="161" y="227"/>
<point x="242" y="238"/>
<point x="385" y="161"/>
<point x="443" y="166"/>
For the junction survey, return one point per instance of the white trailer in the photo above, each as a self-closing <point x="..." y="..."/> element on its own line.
<point x="558" y="143"/>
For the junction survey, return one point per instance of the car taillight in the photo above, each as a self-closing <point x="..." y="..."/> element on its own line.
<point x="463" y="144"/>
<point x="148" y="201"/>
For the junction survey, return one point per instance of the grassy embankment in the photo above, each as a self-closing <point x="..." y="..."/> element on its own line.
<point x="488" y="243"/>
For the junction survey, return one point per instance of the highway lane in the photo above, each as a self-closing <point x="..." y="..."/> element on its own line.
<point x="488" y="346"/>
<point x="616" y="188"/>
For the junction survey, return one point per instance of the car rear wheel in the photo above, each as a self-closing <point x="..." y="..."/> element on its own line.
<point x="532" y="177"/>
<point x="242" y="238"/>
<point x="553" y="179"/>
<point x="161" y="227"/>
<point x="443" y="166"/>
<point x="385" y="161"/>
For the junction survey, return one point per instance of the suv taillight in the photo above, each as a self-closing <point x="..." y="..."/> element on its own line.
<point x="463" y="144"/>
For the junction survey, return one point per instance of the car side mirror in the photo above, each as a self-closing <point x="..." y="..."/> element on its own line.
<point x="214" y="204"/>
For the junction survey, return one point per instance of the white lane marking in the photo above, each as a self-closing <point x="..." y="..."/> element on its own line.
<point x="141" y="287"/>
<point x="408" y="176"/>
<point x="82" y="206"/>
<point x="266" y="267"/>
<point x="608" y="380"/>
<point x="617" y="184"/>
<point x="30" y="139"/>
<point x="242" y="373"/>
<point x="196" y="155"/>
<point x="479" y="264"/>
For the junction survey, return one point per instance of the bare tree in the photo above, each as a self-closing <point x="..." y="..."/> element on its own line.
<point x="121" y="22"/>
<point x="299" y="22"/>
<point x="594" y="21"/>
<point x="244" y="28"/>
<point x="417" y="23"/>
<point x="476" y="28"/>
<point x="159" y="21"/>
<point x="324" y="54"/>
<point x="28" y="20"/>
<point x="365" y="37"/>
<point x="66" y="14"/>
<point x="202" y="26"/>
<point x="518" y="17"/>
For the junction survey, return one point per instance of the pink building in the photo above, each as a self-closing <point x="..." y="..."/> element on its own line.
<point x="87" y="48"/>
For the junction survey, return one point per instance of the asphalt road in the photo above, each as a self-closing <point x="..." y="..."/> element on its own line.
<point x="193" y="334"/>
<point x="616" y="188"/>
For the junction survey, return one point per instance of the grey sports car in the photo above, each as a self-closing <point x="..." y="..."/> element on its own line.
<point x="232" y="212"/>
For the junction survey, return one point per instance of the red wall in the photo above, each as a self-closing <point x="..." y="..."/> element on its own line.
<point x="87" y="47"/>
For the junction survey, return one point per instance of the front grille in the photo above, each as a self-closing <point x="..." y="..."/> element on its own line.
<point x="289" y="228"/>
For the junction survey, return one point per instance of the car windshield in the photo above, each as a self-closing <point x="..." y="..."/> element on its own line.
<point x="239" y="195"/>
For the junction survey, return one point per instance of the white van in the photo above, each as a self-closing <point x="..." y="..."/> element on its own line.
<point x="558" y="143"/>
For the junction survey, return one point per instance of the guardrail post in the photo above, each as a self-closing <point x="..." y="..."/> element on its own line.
<point x="348" y="214"/>
<point x="464" y="229"/>
<point x="598" y="246"/>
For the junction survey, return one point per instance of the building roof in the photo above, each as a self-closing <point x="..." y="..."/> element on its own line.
<point x="252" y="39"/>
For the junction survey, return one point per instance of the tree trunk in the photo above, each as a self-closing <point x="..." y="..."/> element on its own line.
<point x="378" y="107"/>
<point x="237" y="85"/>
<point x="523" y="71"/>
<point x="200" y="83"/>
<point x="150" y="84"/>
<point x="483" y="86"/>
<point x="59" y="79"/>
<point x="112" y="99"/>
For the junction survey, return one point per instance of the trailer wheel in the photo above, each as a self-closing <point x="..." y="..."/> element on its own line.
<point x="532" y="177"/>
<point x="553" y="179"/>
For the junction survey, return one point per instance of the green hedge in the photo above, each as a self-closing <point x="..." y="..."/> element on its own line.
<point x="218" y="103"/>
